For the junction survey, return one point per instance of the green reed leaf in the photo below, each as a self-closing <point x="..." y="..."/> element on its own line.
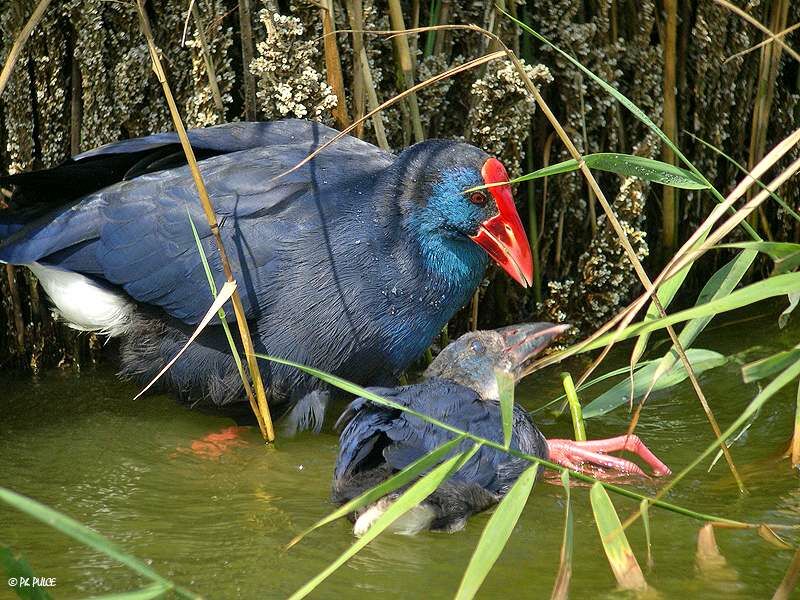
<point x="408" y="500"/>
<point x="496" y="533"/>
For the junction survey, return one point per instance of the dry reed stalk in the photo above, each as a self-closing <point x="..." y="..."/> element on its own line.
<point x="208" y="60"/>
<point x="246" y="33"/>
<point x="444" y="17"/>
<point x="765" y="90"/>
<point x="19" y="43"/>
<point x="473" y="318"/>
<point x="259" y="402"/>
<point x="585" y="136"/>
<point x="355" y="15"/>
<point x="75" y="108"/>
<point x="333" y="65"/>
<point x="755" y="22"/>
<point x="789" y="582"/>
<point x="16" y="307"/>
<point x="762" y="43"/>
<point x="5" y="75"/>
<point x="406" y="62"/>
<point x="794" y="448"/>
<point x="669" y="202"/>
<point x="415" y="8"/>
<point x="394" y="100"/>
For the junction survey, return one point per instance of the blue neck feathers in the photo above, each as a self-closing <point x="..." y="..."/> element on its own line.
<point x="451" y="260"/>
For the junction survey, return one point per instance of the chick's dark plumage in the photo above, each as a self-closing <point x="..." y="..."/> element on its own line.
<point x="459" y="389"/>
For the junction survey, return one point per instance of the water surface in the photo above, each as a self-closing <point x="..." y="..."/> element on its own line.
<point x="80" y="444"/>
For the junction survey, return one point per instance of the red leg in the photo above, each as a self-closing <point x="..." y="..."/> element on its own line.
<point x="569" y="452"/>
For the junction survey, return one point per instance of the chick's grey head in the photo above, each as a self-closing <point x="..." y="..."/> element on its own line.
<point x="473" y="358"/>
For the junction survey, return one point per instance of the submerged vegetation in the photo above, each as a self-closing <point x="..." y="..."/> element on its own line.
<point x="568" y="84"/>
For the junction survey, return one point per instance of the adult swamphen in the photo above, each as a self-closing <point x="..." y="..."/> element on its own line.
<point x="460" y="389"/>
<point x="352" y="263"/>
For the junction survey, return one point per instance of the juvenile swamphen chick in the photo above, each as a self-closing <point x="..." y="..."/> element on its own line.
<point x="351" y="263"/>
<point x="460" y="389"/>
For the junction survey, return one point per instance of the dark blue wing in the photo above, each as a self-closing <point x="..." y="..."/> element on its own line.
<point x="137" y="234"/>
<point x="225" y="138"/>
<point x="398" y="438"/>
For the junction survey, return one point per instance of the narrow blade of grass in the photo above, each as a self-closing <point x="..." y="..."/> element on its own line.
<point x="618" y="551"/>
<point x="785" y="254"/>
<point x="625" y="165"/>
<point x="769" y="366"/>
<point x="410" y="498"/>
<point x="789" y="582"/>
<point x="496" y="533"/>
<point x="16" y="567"/>
<point x="77" y="531"/>
<point x="223" y="318"/>
<point x="719" y="285"/>
<point x="700" y="359"/>
<point x="630" y="165"/>
<point x="505" y="386"/>
<point x="594" y="381"/>
<point x="644" y="508"/>
<point x="561" y="586"/>
<point x="155" y="590"/>
<point x="224" y="295"/>
<point x="398" y="480"/>
<point x="779" y="285"/>
<point x="575" y="409"/>
<point x="794" y="450"/>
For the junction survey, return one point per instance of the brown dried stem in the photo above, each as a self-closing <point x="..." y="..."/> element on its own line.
<point x="259" y="402"/>
<point x="333" y="65"/>
<point x="211" y="71"/>
<point x="406" y="62"/>
<point x="19" y="43"/>
<point x="669" y="206"/>
<point x="246" y="32"/>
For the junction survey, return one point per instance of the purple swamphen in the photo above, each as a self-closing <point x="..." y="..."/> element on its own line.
<point x="351" y="263"/>
<point x="460" y="389"/>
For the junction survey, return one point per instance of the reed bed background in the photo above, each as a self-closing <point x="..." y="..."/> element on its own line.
<point x="84" y="79"/>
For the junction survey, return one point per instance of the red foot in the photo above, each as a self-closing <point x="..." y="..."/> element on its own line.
<point x="216" y="444"/>
<point x="577" y="455"/>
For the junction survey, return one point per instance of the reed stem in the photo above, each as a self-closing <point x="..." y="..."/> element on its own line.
<point x="208" y="60"/>
<point x="248" y="51"/>
<point x="406" y="61"/>
<point x="669" y="202"/>
<point x="333" y="65"/>
<point x="259" y="403"/>
<point x="355" y="15"/>
<point x="19" y="43"/>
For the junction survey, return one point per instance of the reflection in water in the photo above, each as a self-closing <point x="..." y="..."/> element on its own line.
<point x="205" y="503"/>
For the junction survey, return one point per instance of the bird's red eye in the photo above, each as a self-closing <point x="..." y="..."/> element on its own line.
<point x="478" y="198"/>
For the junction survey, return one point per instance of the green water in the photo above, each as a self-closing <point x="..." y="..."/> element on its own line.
<point x="80" y="443"/>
